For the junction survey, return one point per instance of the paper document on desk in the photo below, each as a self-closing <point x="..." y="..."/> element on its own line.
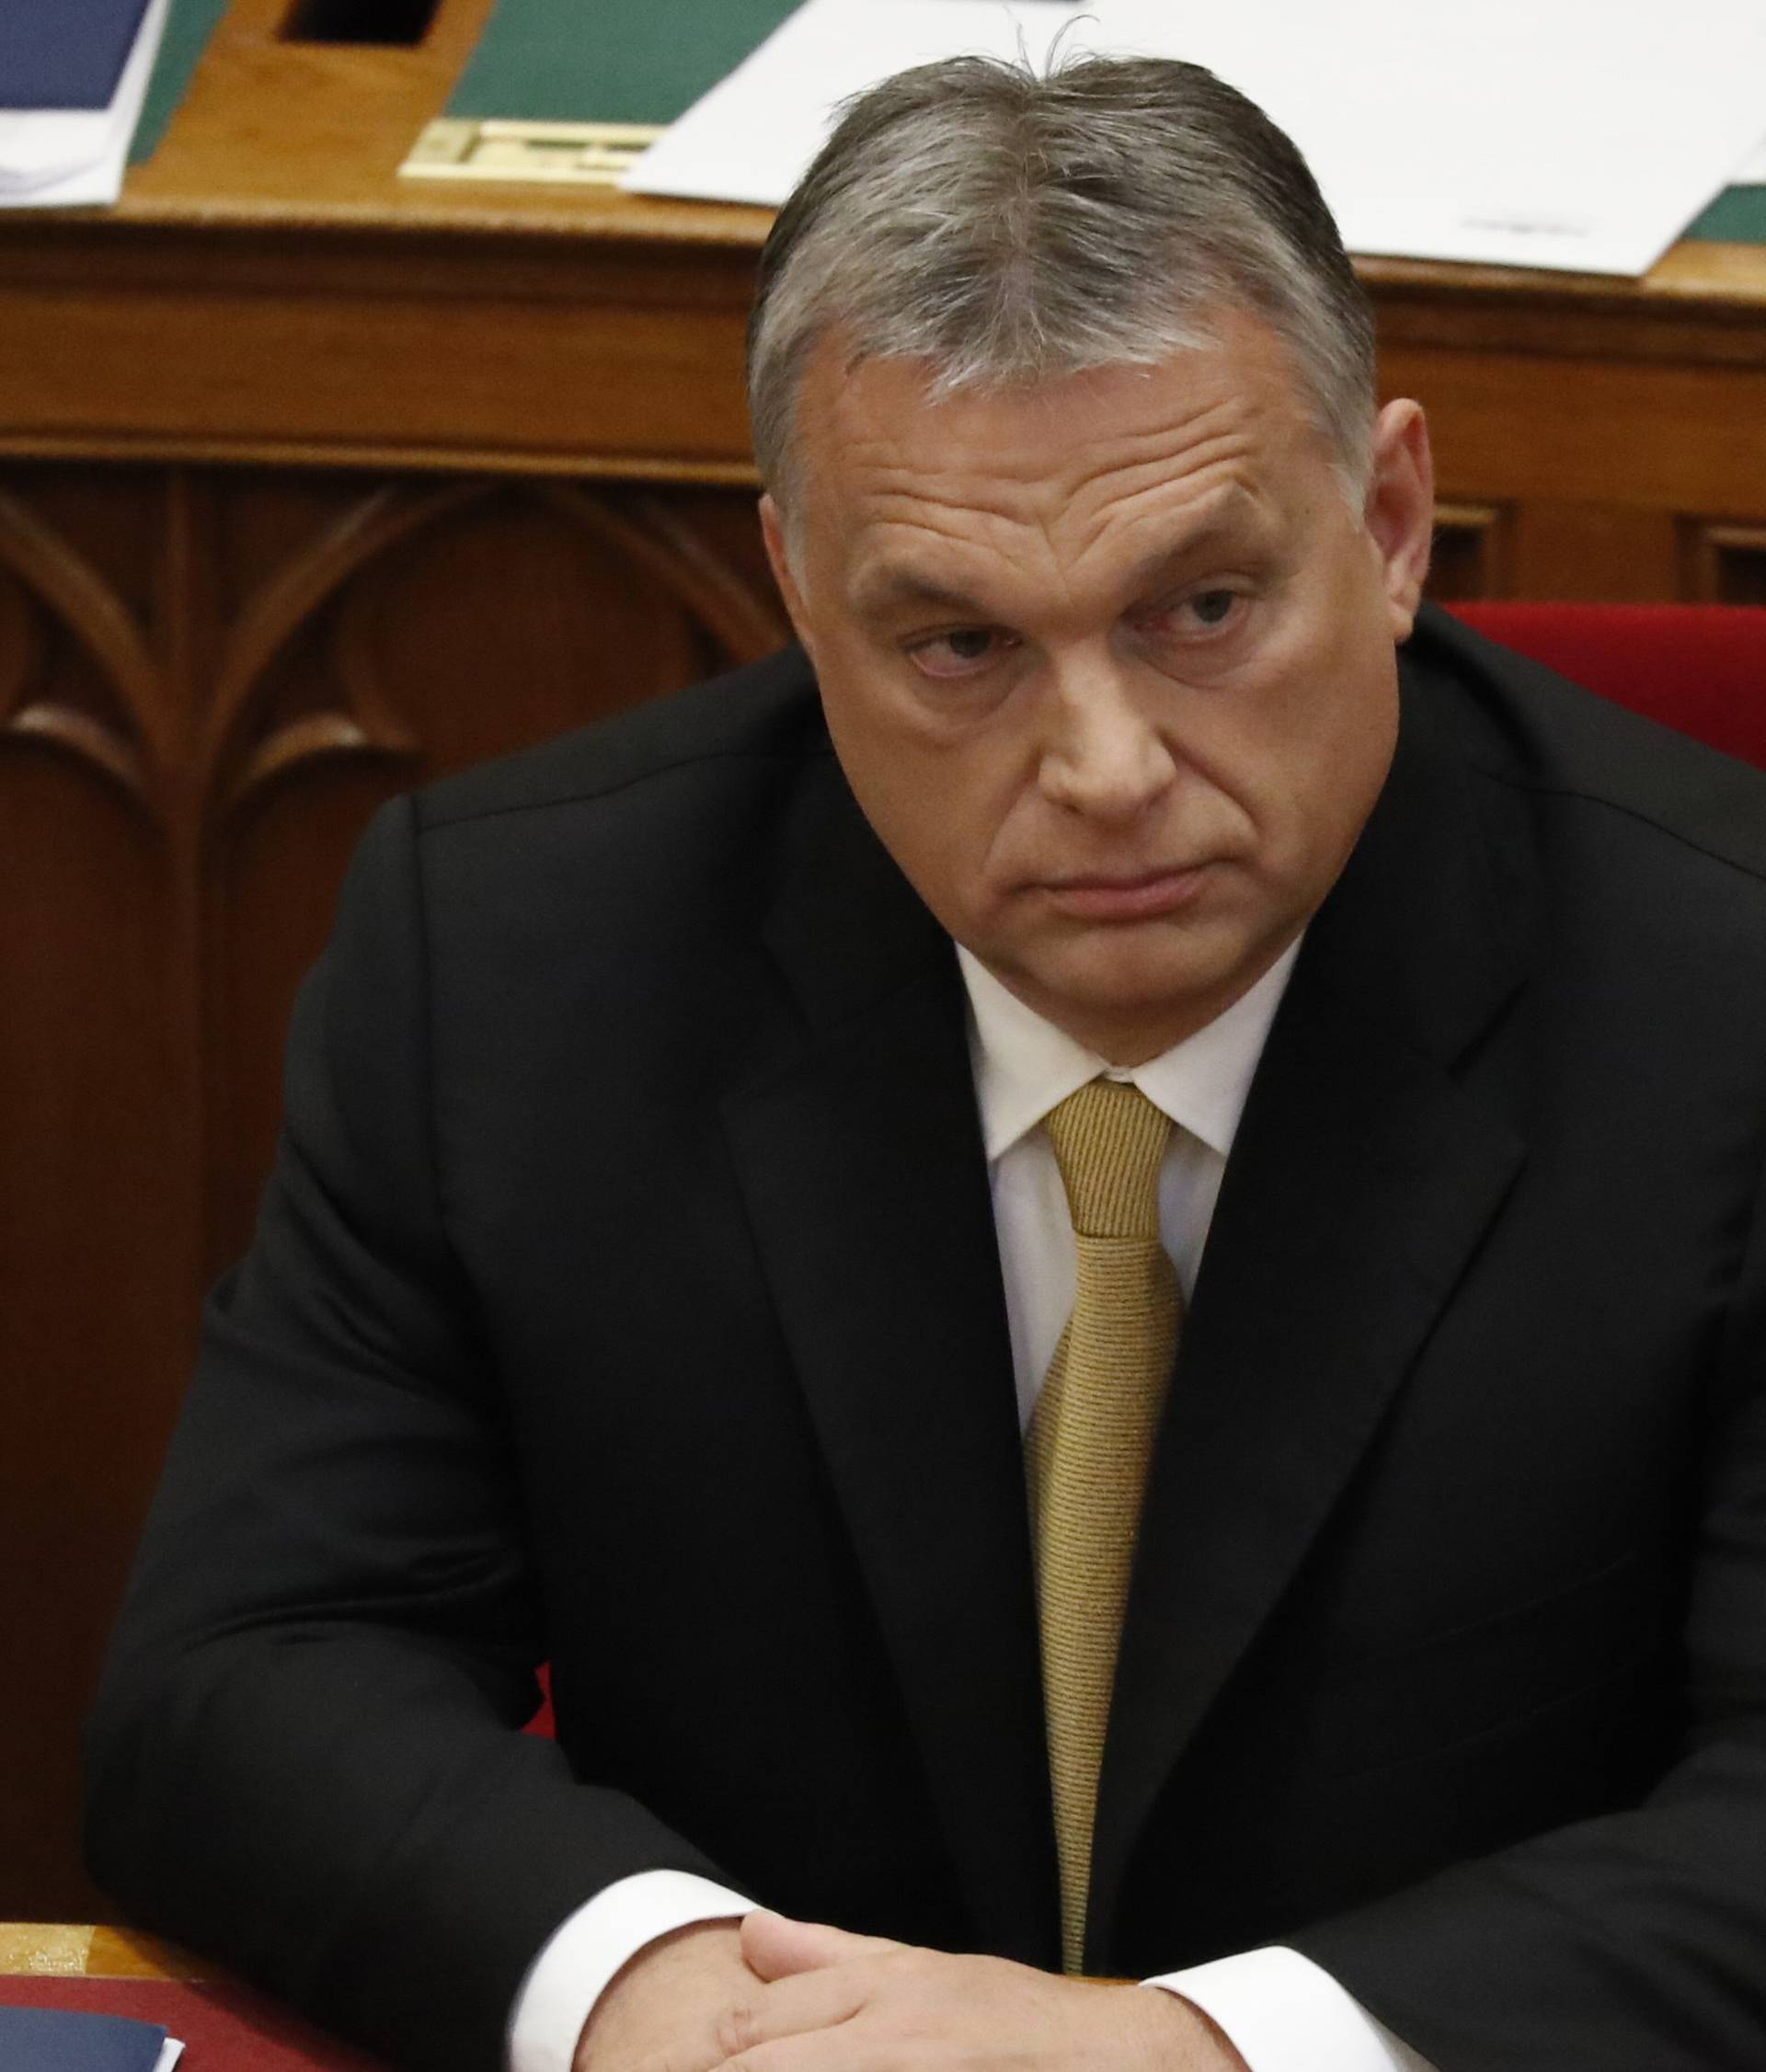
<point x="71" y="84"/>
<point x="1581" y="135"/>
<point x="752" y="134"/>
<point x="60" y="2039"/>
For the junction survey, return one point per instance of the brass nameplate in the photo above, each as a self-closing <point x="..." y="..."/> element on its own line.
<point x="43" y="1949"/>
<point x="566" y="154"/>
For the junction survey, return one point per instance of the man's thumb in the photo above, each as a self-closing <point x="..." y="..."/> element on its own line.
<point x="776" y="1947"/>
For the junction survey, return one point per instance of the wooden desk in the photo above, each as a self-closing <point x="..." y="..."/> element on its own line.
<point x="62" y="1950"/>
<point x="312" y="484"/>
<point x="225" y="2027"/>
<point x="270" y="294"/>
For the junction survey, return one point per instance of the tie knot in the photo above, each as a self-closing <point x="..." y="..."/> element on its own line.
<point x="1109" y="1141"/>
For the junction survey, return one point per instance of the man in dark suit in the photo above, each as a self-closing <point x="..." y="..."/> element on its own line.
<point x="674" y="1230"/>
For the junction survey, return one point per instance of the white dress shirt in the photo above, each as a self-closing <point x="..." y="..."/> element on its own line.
<point x="1279" y="2010"/>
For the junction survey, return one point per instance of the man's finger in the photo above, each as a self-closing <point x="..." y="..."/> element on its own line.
<point x="809" y="2003"/>
<point x="778" y="1947"/>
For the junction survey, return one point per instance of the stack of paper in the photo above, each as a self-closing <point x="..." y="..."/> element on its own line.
<point x="1581" y="134"/>
<point x="73" y="76"/>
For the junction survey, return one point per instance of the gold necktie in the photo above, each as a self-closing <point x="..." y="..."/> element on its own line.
<point x="1090" y="1439"/>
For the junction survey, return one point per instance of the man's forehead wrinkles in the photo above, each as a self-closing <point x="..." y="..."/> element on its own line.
<point x="1161" y="449"/>
<point x="1131" y="538"/>
<point x="929" y="550"/>
<point x="1212" y="483"/>
<point x="909" y="557"/>
<point x="1058" y="475"/>
<point x="902" y="520"/>
<point x="1044" y="485"/>
<point x="1206" y="499"/>
<point x="893" y="478"/>
<point x="955" y="524"/>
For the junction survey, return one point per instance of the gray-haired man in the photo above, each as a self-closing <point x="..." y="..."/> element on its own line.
<point x="681" y="1248"/>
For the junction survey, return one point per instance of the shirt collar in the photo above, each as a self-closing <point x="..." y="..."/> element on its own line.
<point x="1024" y="1065"/>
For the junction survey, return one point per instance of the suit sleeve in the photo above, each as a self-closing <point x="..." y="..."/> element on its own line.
<point x="1634" y="1941"/>
<point x="306" y="1757"/>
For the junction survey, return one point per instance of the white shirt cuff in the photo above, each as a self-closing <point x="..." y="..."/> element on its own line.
<point x="1281" y="2013"/>
<point x="600" y="1938"/>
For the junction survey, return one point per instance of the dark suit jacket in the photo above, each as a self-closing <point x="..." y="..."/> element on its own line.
<point x="627" y="1296"/>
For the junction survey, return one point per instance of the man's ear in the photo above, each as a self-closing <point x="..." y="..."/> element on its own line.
<point x="1400" y="510"/>
<point x="773" y="531"/>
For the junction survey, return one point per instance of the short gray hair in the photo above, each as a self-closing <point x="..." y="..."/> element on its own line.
<point x="1010" y="229"/>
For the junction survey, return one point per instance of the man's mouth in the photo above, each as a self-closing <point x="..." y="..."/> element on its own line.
<point x="1130" y="896"/>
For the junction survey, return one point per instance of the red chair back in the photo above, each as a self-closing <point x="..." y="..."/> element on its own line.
<point x="1699" y="667"/>
<point x="543" y="1723"/>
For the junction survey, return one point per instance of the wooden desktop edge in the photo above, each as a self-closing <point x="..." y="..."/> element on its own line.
<point x="60" y="1949"/>
<point x="66" y="1950"/>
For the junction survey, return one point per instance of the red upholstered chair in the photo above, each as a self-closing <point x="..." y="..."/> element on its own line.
<point x="1700" y="668"/>
<point x="542" y="1722"/>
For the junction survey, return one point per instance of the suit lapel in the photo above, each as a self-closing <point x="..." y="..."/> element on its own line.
<point x="1363" y="1175"/>
<point x="860" y="1159"/>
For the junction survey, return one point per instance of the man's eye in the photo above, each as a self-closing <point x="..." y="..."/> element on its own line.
<point x="960" y="652"/>
<point x="1203" y="612"/>
<point x="1212" y="607"/>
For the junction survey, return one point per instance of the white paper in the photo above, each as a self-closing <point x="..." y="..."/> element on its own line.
<point x="1752" y="173"/>
<point x="170" y="2051"/>
<point x="1580" y="134"/>
<point x="751" y="136"/>
<point x="65" y="158"/>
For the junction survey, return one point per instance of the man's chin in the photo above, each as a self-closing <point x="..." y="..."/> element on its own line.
<point x="1099" y="991"/>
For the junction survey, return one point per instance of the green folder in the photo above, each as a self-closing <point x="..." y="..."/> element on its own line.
<point x="1736" y="217"/>
<point x="607" y="61"/>
<point x="188" y="28"/>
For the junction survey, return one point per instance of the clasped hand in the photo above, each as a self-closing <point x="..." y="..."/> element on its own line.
<point x="783" y="1996"/>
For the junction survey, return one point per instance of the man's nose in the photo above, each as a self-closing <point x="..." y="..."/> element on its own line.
<point x="1103" y="754"/>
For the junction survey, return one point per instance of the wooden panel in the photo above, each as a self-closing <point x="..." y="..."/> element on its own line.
<point x="1471" y="552"/>
<point x="403" y="648"/>
<point x="1596" y="462"/>
<point x="1510" y="427"/>
<point x="97" y="1101"/>
<point x="208" y="680"/>
<point x="107" y="366"/>
<point x="1595" y="552"/>
<point x="1724" y="564"/>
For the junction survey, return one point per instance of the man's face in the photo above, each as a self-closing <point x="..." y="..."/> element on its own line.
<point x="1109" y="663"/>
